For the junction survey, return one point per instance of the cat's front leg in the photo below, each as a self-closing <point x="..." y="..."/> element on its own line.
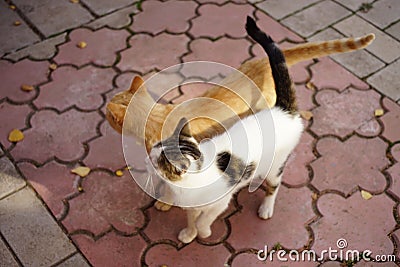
<point x="266" y="210"/>
<point x="205" y="220"/>
<point x="189" y="233"/>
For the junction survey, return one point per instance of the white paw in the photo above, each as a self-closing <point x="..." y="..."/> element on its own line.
<point x="187" y="235"/>
<point x="204" y="232"/>
<point x="266" y="210"/>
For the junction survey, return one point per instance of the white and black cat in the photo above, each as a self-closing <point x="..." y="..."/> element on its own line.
<point x="229" y="166"/>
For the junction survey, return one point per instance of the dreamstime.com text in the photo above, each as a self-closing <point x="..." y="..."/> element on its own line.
<point x="327" y="254"/>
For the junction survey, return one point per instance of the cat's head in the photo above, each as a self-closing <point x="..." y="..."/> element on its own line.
<point x="173" y="156"/>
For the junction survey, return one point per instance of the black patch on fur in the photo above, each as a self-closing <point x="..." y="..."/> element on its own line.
<point x="284" y="87"/>
<point x="234" y="168"/>
<point x="271" y="189"/>
<point x="281" y="168"/>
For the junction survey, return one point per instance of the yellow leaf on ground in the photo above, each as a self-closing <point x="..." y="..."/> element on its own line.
<point x="379" y="112"/>
<point x="17" y="23"/>
<point x="53" y="66"/>
<point x="310" y="85"/>
<point x="81" y="44"/>
<point x="119" y="173"/>
<point x="12" y="7"/>
<point x="74" y="1"/>
<point x="81" y="171"/>
<point x="305" y="114"/>
<point x="15" y="136"/>
<point x="26" y="87"/>
<point x="314" y="196"/>
<point x="366" y="195"/>
<point x="80" y="188"/>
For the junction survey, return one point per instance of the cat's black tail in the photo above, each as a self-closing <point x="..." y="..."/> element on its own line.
<point x="285" y="93"/>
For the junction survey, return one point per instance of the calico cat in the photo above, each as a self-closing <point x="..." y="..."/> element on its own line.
<point x="181" y="160"/>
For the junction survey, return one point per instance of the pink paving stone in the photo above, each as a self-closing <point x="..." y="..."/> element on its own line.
<point x="353" y="220"/>
<point x="13" y="76"/>
<point x="342" y="113"/>
<point x="107" y="200"/>
<point x="147" y="53"/>
<point x="329" y="74"/>
<point x="394" y="172"/>
<point x="369" y="128"/>
<point x="111" y="249"/>
<point x="82" y="88"/>
<point x="192" y="255"/>
<point x="101" y="49"/>
<point x="249" y="259"/>
<point x="395" y="150"/>
<point x="57" y="135"/>
<point x="211" y="23"/>
<point x="16" y="121"/>
<point x="296" y="172"/>
<point x="287" y="226"/>
<point x="53" y="182"/>
<point x="304" y="97"/>
<point x="171" y="16"/>
<point x="391" y="120"/>
<point x="345" y="165"/>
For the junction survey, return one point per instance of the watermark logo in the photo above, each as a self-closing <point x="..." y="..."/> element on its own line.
<point x="331" y="254"/>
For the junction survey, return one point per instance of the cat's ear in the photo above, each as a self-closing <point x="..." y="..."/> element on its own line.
<point x="136" y="83"/>
<point x="183" y="128"/>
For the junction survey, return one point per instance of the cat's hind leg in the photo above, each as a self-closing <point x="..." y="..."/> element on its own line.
<point x="189" y="233"/>
<point x="266" y="210"/>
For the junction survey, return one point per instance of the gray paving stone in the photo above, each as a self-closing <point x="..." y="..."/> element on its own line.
<point x="281" y="8"/>
<point x="31" y="232"/>
<point x="115" y="20"/>
<point x="13" y="37"/>
<point x="101" y="7"/>
<point x="383" y="13"/>
<point x="52" y="17"/>
<point x="6" y="257"/>
<point x="10" y="180"/>
<point x="316" y="18"/>
<point x="354" y="4"/>
<point x="75" y="261"/>
<point x="327" y="34"/>
<point x="40" y="51"/>
<point x="394" y="30"/>
<point x="384" y="47"/>
<point x="387" y="80"/>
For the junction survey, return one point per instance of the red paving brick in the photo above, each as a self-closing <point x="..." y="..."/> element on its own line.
<point x="16" y="121"/>
<point x="101" y="47"/>
<point x="390" y="121"/>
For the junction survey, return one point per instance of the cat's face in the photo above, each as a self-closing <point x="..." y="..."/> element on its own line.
<point x="173" y="156"/>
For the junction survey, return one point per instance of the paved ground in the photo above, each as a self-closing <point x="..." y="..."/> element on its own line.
<point x="50" y="217"/>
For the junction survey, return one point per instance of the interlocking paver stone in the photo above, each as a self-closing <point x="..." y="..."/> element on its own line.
<point x="343" y="113"/>
<point x="394" y="172"/>
<point x="23" y="216"/>
<point x="211" y="24"/>
<point x="82" y="88"/>
<point x="191" y="255"/>
<point x="141" y="56"/>
<point x="46" y="15"/>
<point x="101" y="49"/>
<point x="101" y="7"/>
<point x="14" y="37"/>
<point x="390" y="121"/>
<point x="384" y="47"/>
<point x="315" y="18"/>
<point x="16" y="121"/>
<point x="57" y="135"/>
<point x="7" y="259"/>
<point x="76" y="260"/>
<point x="354" y="4"/>
<point x="386" y="80"/>
<point x="169" y="16"/>
<point x="352" y="172"/>
<point x="394" y="30"/>
<point x="279" y="9"/>
<point x="11" y="75"/>
<point x="112" y="249"/>
<point x="383" y="13"/>
<point x="115" y="20"/>
<point x="53" y="182"/>
<point x="349" y="219"/>
<point x="10" y="180"/>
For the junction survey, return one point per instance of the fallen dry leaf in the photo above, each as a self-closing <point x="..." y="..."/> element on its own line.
<point x="74" y="1"/>
<point x="17" y="23"/>
<point x="305" y="114"/>
<point x="366" y="195"/>
<point x="27" y="88"/>
<point x="53" y="66"/>
<point x="379" y="112"/>
<point x="81" y="44"/>
<point x="15" y="136"/>
<point x="310" y="85"/>
<point x="81" y="171"/>
<point x="314" y="196"/>
<point x="12" y="7"/>
<point x="80" y="188"/>
<point x="119" y="173"/>
<point x="128" y="168"/>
